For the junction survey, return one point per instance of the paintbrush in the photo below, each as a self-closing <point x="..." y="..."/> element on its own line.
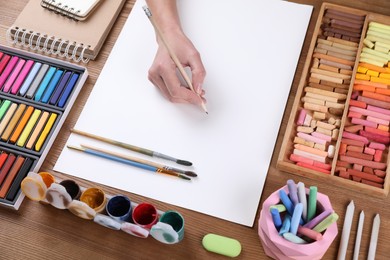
<point x="109" y="156"/>
<point x="139" y="160"/>
<point x="133" y="147"/>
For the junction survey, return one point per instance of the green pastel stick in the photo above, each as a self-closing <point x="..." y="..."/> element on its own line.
<point x="279" y="207"/>
<point x="324" y="224"/>
<point x="4" y="108"/>
<point x="293" y="238"/>
<point x="312" y="203"/>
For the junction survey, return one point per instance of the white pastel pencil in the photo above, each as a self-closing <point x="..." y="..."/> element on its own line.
<point x="346" y="231"/>
<point x="374" y="238"/>
<point x="358" y="236"/>
<point x="171" y="53"/>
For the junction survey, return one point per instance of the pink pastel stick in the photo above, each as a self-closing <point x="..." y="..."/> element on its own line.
<point x="368" y="150"/>
<point x="378" y="120"/>
<point x="311" y="138"/>
<point x="301" y="117"/>
<point x="377" y="131"/>
<point x="355" y="137"/>
<point x="367" y="112"/>
<point x="377" y="146"/>
<point x="7" y="71"/>
<point x="304" y="231"/>
<point x="378" y="109"/>
<point x="372" y="164"/>
<point x="358" y="121"/>
<point x="378" y="155"/>
<point x="22" y="75"/>
<point x="322" y="136"/>
<point x="13" y="75"/>
<point x="354" y="114"/>
<point x="299" y="158"/>
<point x="320" y="217"/>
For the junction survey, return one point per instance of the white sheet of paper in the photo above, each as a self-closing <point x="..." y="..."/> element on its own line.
<point x="250" y="50"/>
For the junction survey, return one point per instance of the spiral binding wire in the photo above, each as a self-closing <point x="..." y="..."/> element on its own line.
<point x="47" y="44"/>
<point x="59" y="8"/>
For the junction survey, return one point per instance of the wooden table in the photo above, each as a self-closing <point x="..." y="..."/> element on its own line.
<point x="38" y="231"/>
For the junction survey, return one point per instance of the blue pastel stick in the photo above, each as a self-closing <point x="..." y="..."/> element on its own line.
<point x="52" y="86"/>
<point x="30" y="77"/>
<point x="45" y="82"/>
<point x="286" y="201"/>
<point x="68" y="89"/>
<point x="292" y="190"/>
<point x="285" y="225"/>
<point x="276" y="218"/>
<point x="60" y="88"/>
<point x="296" y="218"/>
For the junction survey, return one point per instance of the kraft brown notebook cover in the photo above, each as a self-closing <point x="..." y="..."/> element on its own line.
<point x="42" y="30"/>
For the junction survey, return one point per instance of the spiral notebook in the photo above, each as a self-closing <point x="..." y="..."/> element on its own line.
<point x="74" y="9"/>
<point x="42" y="30"/>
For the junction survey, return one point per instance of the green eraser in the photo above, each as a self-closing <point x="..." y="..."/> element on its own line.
<point x="221" y="245"/>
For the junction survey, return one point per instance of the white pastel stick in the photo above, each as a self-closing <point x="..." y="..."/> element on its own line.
<point x="374" y="238"/>
<point x="358" y="236"/>
<point x="346" y="230"/>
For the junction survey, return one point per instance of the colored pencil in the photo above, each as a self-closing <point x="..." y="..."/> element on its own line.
<point x="172" y="54"/>
<point x="132" y="147"/>
<point x="108" y="155"/>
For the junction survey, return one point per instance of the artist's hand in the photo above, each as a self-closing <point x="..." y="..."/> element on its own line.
<point x="164" y="75"/>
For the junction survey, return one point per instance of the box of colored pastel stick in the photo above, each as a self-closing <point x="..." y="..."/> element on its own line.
<point x="338" y="129"/>
<point x="36" y="95"/>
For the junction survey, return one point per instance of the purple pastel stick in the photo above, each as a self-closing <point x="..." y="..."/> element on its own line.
<point x="293" y="193"/>
<point x="312" y="223"/>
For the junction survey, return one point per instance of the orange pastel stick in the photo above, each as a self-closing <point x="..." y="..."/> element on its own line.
<point x="383" y="91"/>
<point x="369" y="83"/>
<point x="332" y="58"/>
<point x="376" y="96"/>
<point x="371" y="183"/>
<point x="364" y="87"/>
<point x="22" y="124"/>
<point x="357" y="103"/>
<point x="372" y="67"/>
<point x="298" y="158"/>
<point x="365" y="176"/>
<point x="375" y="165"/>
<point x="360" y="155"/>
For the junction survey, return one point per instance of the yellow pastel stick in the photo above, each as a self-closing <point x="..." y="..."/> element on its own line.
<point x="379" y="25"/>
<point x="37" y="130"/>
<point x="27" y="130"/>
<point x="7" y="117"/>
<point x="45" y="132"/>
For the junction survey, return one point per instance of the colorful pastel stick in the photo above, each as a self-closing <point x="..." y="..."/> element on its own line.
<point x="285" y="225"/>
<point x="68" y="90"/>
<point x="7" y="167"/>
<point x="8" y="69"/>
<point x="4" y="61"/>
<point x="60" y="88"/>
<point x="7" y="117"/>
<point x="312" y="204"/>
<point x="302" y="199"/>
<point x="37" y="80"/>
<point x="295" y="218"/>
<point x="324" y="224"/>
<point x="12" y="77"/>
<point x="3" y="158"/>
<point x="45" y="82"/>
<point x="276" y="218"/>
<point x="27" y="130"/>
<point x="22" y="123"/>
<point x="21" y="77"/>
<point x="45" y="132"/>
<point x="11" y="176"/>
<point x="286" y="201"/>
<point x="292" y="189"/>
<point x="303" y="231"/>
<point x="52" y="86"/>
<point x="279" y="207"/>
<point x="15" y="187"/>
<point x="312" y="223"/>
<point x="293" y="238"/>
<point x="4" y="107"/>
<point x="14" y="120"/>
<point x="37" y="130"/>
<point x="27" y="83"/>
